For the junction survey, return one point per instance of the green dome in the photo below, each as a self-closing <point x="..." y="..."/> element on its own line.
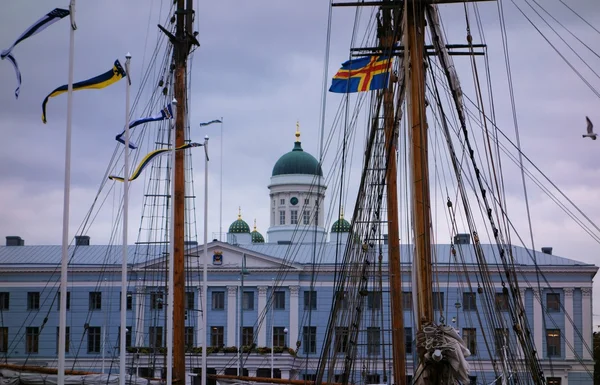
<point x="297" y="161"/>
<point x="256" y="236"/>
<point x="239" y="226"/>
<point x="341" y="226"/>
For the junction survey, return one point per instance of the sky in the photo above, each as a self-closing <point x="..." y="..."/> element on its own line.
<point x="260" y="67"/>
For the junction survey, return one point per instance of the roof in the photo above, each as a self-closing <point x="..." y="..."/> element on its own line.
<point x="297" y="162"/>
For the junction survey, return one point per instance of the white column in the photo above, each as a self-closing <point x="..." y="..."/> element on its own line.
<point x="262" y="327"/>
<point x="200" y="334"/>
<point x="140" y="297"/>
<point x="538" y="323"/>
<point x="293" y="332"/>
<point x="231" y="315"/>
<point x="586" y="315"/>
<point x="569" y="334"/>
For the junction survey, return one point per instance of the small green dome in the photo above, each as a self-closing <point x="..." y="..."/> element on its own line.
<point x="239" y="226"/>
<point x="256" y="236"/>
<point x="297" y="161"/>
<point x="341" y="225"/>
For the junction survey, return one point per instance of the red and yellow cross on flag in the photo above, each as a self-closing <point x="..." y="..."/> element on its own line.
<point x="362" y="74"/>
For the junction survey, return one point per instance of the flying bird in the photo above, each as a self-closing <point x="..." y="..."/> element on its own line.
<point x="590" y="129"/>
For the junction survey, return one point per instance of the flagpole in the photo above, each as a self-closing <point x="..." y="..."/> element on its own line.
<point x="170" y="285"/>
<point x="205" y="264"/>
<point x="221" y="189"/>
<point x="65" y="233"/>
<point x="122" y="337"/>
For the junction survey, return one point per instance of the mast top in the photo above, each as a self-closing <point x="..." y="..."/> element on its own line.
<point x="297" y="131"/>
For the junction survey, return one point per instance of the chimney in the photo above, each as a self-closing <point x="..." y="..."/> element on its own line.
<point x="547" y="250"/>
<point x="82" y="240"/>
<point x="13" y="240"/>
<point x="462" y="239"/>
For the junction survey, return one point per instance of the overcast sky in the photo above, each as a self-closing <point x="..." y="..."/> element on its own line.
<point x="260" y="67"/>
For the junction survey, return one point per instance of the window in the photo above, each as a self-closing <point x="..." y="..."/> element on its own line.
<point x="407" y="300"/>
<point x="216" y="337"/>
<point x="438" y="300"/>
<point x="282" y="201"/>
<point x="95" y="300"/>
<point x="341" y="339"/>
<point x="282" y="217"/>
<point x="189" y="336"/>
<point x="309" y="337"/>
<point x="218" y="300"/>
<point x="156" y="336"/>
<point x="3" y="339"/>
<point x="128" y="301"/>
<point x="502" y="301"/>
<point x="4" y="300"/>
<point x="127" y="337"/>
<point x="67" y="338"/>
<point x="32" y="340"/>
<point x="310" y="300"/>
<point x="247" y="336"/>
<point x="248" y="300"/>
<point x="294" y="217"/>
<point x="306" y="201"/>
<point x="189" y="300"/>
<point x="472" y="380"/>
<point x="408" y="341"/>
<point x="33" y="300"/>
<point x="372" y="378"/>
<point x="553" y="342"/>
<point x="553" y="302"/>
<point x="342" y="298"/>
<point x="373" y="340"/>
<point x="156" y="300"/>
<point x="279" y="337"/>
<point x="553" y="380"/>
<point x="469" y="301"/>
<point x="279" y="300"/>
<point x="68" y="301"/>
<point x="306" y="217"/>
<point x="374" y="300"/>
<point x="94" y="334"/>
<point x="470" y="339"/>
<point x="309" y="377"/>
<point x="500" y="340"/>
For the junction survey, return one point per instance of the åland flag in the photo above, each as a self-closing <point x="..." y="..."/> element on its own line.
<point x="362" y="74"/>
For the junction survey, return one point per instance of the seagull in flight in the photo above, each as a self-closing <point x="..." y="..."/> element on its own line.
<point x="590" y="129"/>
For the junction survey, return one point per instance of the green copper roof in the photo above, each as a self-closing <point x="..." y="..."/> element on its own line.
<point x="297" y="162"/>
<point x="341" y="226"/>
<point x="257" y="237"/>
<point x="239" y="226"/>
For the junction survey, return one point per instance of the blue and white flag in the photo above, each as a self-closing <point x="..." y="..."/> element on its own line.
<point x="165" y="113"/>
<point x="43" y="23"/>
<point x="209" y="123"/>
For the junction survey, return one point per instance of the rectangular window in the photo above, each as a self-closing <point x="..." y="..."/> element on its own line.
<point x="306" y="201"/>
<point x="306" y="217"/>
<point x="282" y="201"/>
<point x="279" y="300"/>
<point x="553" y="342"/>
<point x="279" y="337"/>
<point x="33" y="300"/>
<point x="373" y="340"/>
<point x="127" y="337"/>
<point x="407" y="300"/>
<point x="470" y="339"/>
<point x="4" y="300"/>
<point x="95" y="300"/>
<point x="472" y="380"/>
<point x="247" y="336"/>
<point x="282" y="217"/>
<point x="374" y="300"/>
<point x="372" y="378"/>
<point x="438" y="300"/>
<point x="502" y="301"/>
<point x="3" y="339"/>
<point x="156" y="300"/>
<point x="217" y="337"/>
<point x="342" y="298"/>
<point x="189" y="336"/>
<point x="309" y="337"/>
<point x="553" y="380"/>
<point x="67" y="339"/>
<point x="128" y="301"/>
<point x="94" y="334"/>
<point x="341" y="339"/>
<point x="408" y="340"/>
<point x="553" y="302"/>
<point x="500" y="340"/>
<point x="294" y="217"/>
<point x="156" y="336"/>
<point x="248" y="300"/>
<point x="189" y="300"/>
<point x="218" y="300"/>
<point x="469" y="301"/>
<point x="310" y="300"/>
<point x="68" y="301"/>
<point x="32" y="341"/>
